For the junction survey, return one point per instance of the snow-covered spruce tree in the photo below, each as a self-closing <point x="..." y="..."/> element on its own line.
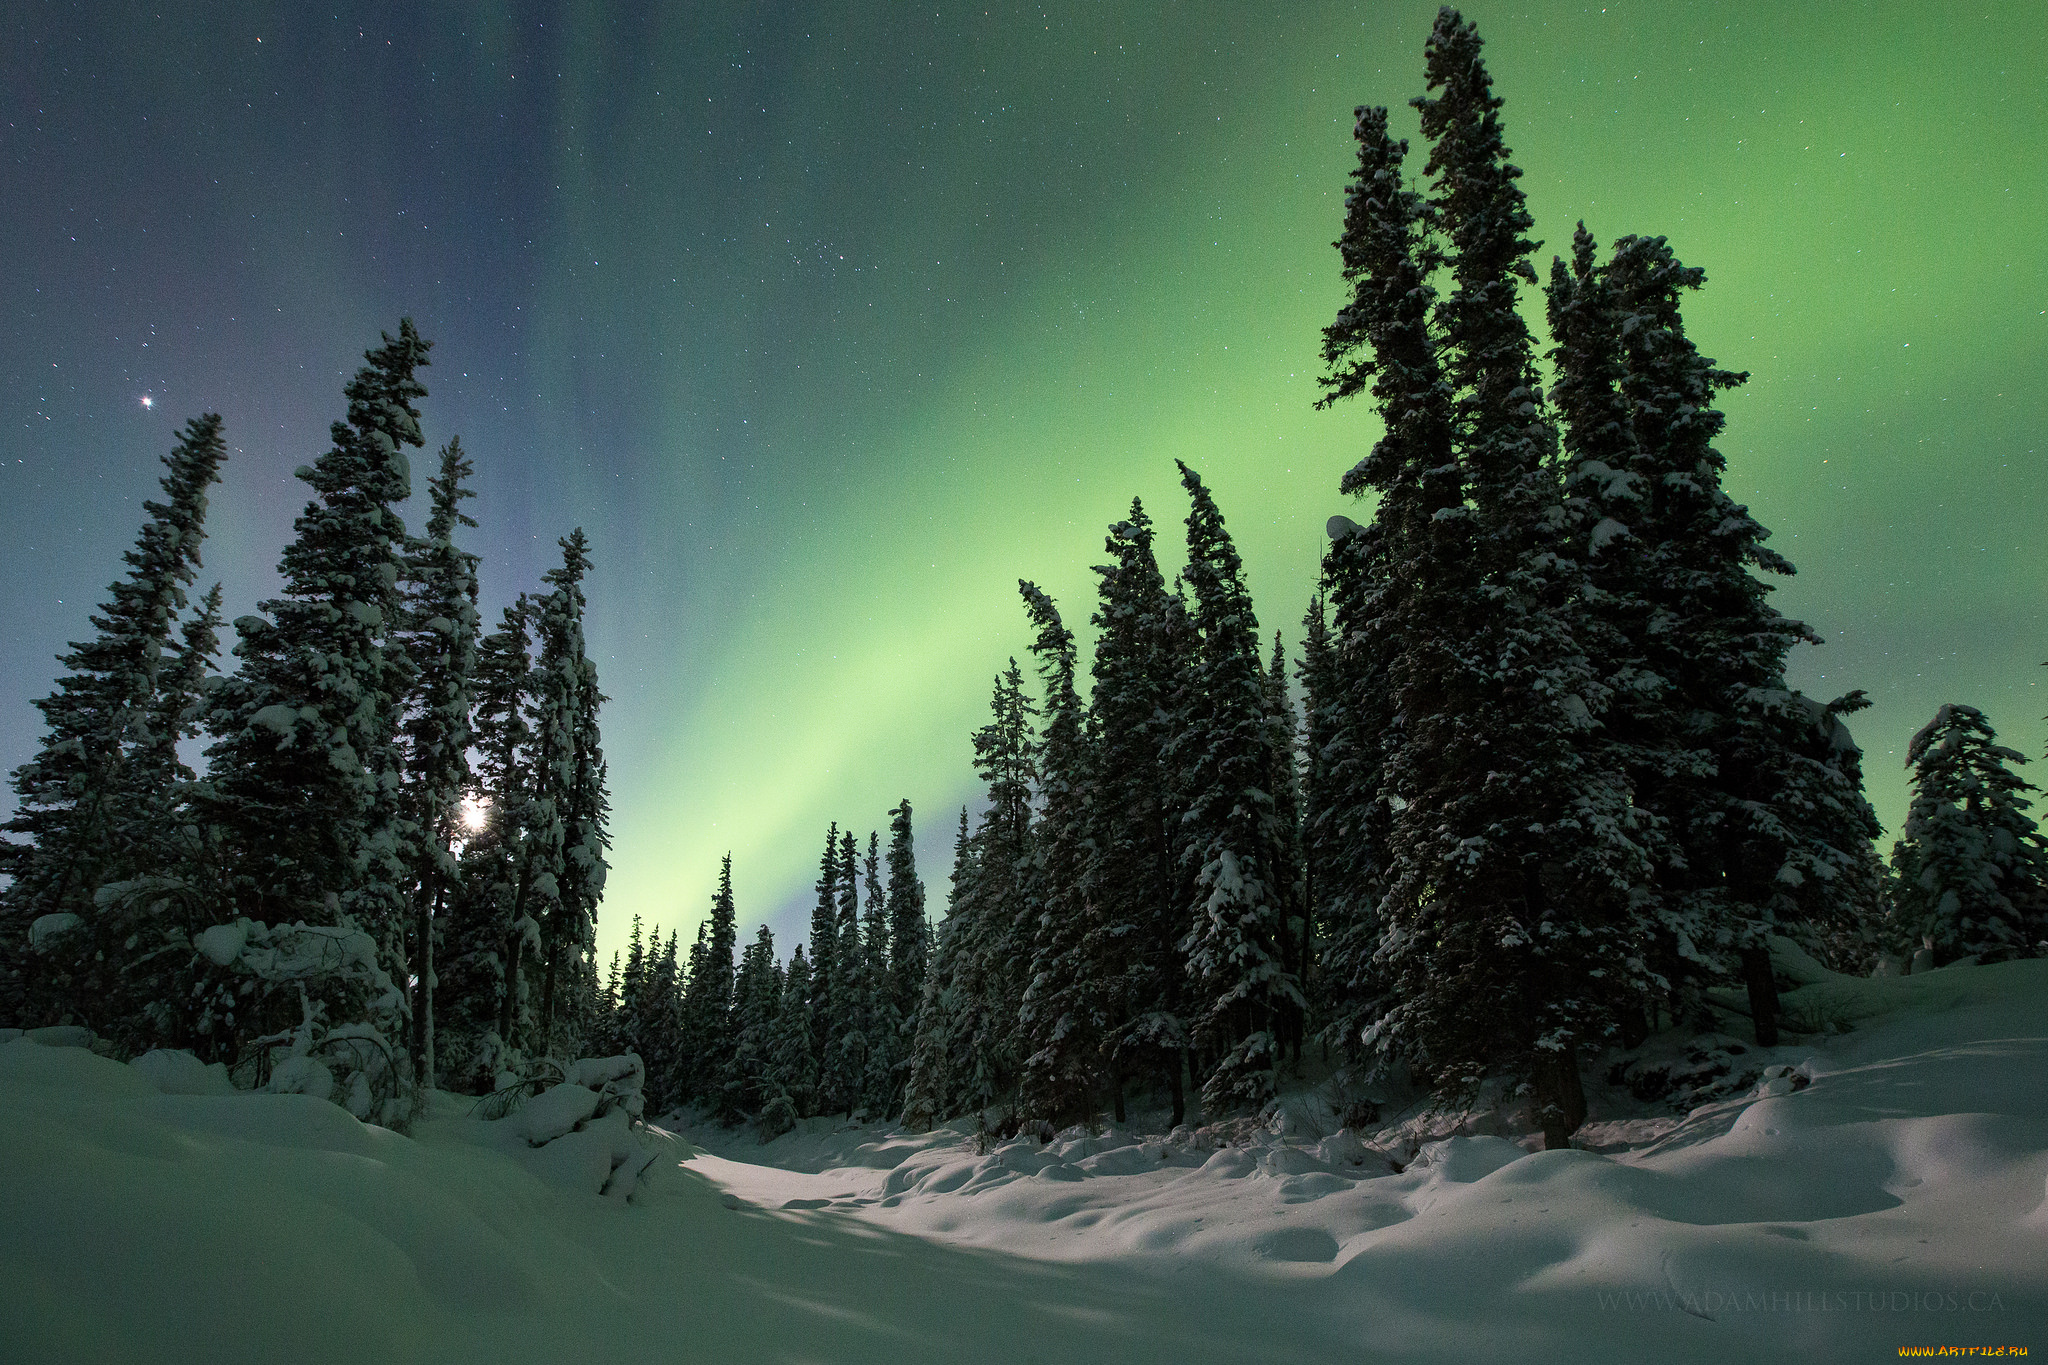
<point x="707" y="1003"/>
<point x="89" y="804"/>
<point x="692" y="1056"/>
<point x="881" y="1080"/>
<point x="1971" y="865"/>
<point x="626" y="1014"/>
<point x="1296" y="945"/>
<point x="1133" y="941"/>
<point x="907" y="939"/>
<point x="1345" y="814"/>
<point x="660" y="1025"/>
<point x="757" y="996"/>
<point x="304" y="780"/>
<point x="481" y="1003"/>
<point x="1514" y="863"/>
<point x="1062" y="1020"/>
<point x="1392" y="584"/>
<point x="966" y="1053"/>
<point x="440" y="639"/>
<point x="568" y="836"/>
<point x="942" y="1014"/>
<point x="1751" y="793"/>
<point x="824" y="948"/>
<point x="1225" y="749"/>
<point x="846" y="1054"/>
<point x="792" y="1077"/>
<point x="1005" y="759"/>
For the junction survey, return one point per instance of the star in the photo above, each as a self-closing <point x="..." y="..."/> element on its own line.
<point x="148" y="401"/>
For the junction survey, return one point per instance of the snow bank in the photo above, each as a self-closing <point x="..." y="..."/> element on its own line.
<point x="1898" y="1197"/>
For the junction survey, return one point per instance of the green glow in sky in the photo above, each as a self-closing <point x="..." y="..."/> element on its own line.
<point x="829" y="331"/>
<point x="948" y="331"/>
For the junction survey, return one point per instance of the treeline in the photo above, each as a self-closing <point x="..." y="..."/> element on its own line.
<point x="826" y="1033"/>
<point x="1550" y="784"/>
<point x="389" y="872"/>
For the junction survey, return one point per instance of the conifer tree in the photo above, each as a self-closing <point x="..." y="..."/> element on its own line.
<point x="824" y="948"/>
<point x="1514" y="857"/>
<point x="1002" y="914"/>
<point x="1225" y="749"/>
<point x="660" y="1029"/>
<point x="710" y="998"/>
<point x="1061" y="1016"/>
<point x="1134" y="943"/>
<point x="880" y="1080"/>
<point x="691" y="1057"/>
<point x="938" y="1071"/>
<point x="90" y="805"/>
<point x="1749" y="794"/>
<point x="440" y="640"/>
<point x="1971" y="865"/>
<point x="792" y="1061"/>
<point x="757" y="998"/>
<point x="1346" y="816"/>
<point x="490" y="930"/>
<point x="847" y="1047"/>
<point x="907" y="928"/>
<point x="568" y="835"/>
<point x="304" y="779"/>
<point x="1284" y="857"/>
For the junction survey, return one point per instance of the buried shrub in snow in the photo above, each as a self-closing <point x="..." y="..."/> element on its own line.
<point x="583" y="1132"/>
<point x="328" y="971"/>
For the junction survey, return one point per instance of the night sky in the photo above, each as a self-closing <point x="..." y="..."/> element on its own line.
<point x="829" y="328"/>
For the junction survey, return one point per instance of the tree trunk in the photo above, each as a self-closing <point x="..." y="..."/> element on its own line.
<point x="1180" y="1101"/>
<point x="547" y="1008"/>
<point x="1763" y="993"/>
<point x="423" y="1010"/>
<point x="1116" y="1095"/>
<point x="1560" y="1098"/>
<point x="507" y="1007"/>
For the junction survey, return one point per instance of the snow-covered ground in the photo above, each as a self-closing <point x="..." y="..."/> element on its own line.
<point x="1880" y="1188"/>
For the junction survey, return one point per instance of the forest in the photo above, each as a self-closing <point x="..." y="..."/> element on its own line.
<point x="1530" y="786"/>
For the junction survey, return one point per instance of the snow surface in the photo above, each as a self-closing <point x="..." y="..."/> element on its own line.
<point x="1880" y="1188"/>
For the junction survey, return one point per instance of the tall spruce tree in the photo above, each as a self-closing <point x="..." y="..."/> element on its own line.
<point x="1971" y="865"/>
<point x="711" y="989"/>
<point x="1136" y="932"/>
<point x="1749" y="794"/>
<point x="1392" y="584"/>
<point x="440" y="640"/>
<point x="824" y="951"/>
<point x="757" y="998"/>
<point x="880" y="1081"/>
<point x="1350" y="730"/>
<point x="1514" y="858"/>
<point x="847" y="1044"/>
<point x="1225" y="748"/>
<point x="569" y="836"/>
<point x="907" y="929"/>
<point x="792" y="1074"/>
<point x="490" y="931"/>
<point x="1062" y="1014"/>
<point x="1284" y="857"/>
<point x="304" y="779"/>
<point x="92" y="805"/>
<point x="938" y="1068"/>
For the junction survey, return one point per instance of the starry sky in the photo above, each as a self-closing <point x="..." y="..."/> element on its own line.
<point x="829" y="322"/>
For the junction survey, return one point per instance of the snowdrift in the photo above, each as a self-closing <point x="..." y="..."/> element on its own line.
<point x="1899" y="1197"/>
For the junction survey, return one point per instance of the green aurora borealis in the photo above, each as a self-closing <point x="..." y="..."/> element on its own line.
<point x="828" y="332"/>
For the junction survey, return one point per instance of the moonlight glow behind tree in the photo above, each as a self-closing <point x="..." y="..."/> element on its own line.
<point x="827" y="333"/>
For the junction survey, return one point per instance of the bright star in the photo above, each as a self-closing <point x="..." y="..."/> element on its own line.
<point x="147" y="401"/>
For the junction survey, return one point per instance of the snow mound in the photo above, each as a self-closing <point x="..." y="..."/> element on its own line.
<point x="181" y="1073"/>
